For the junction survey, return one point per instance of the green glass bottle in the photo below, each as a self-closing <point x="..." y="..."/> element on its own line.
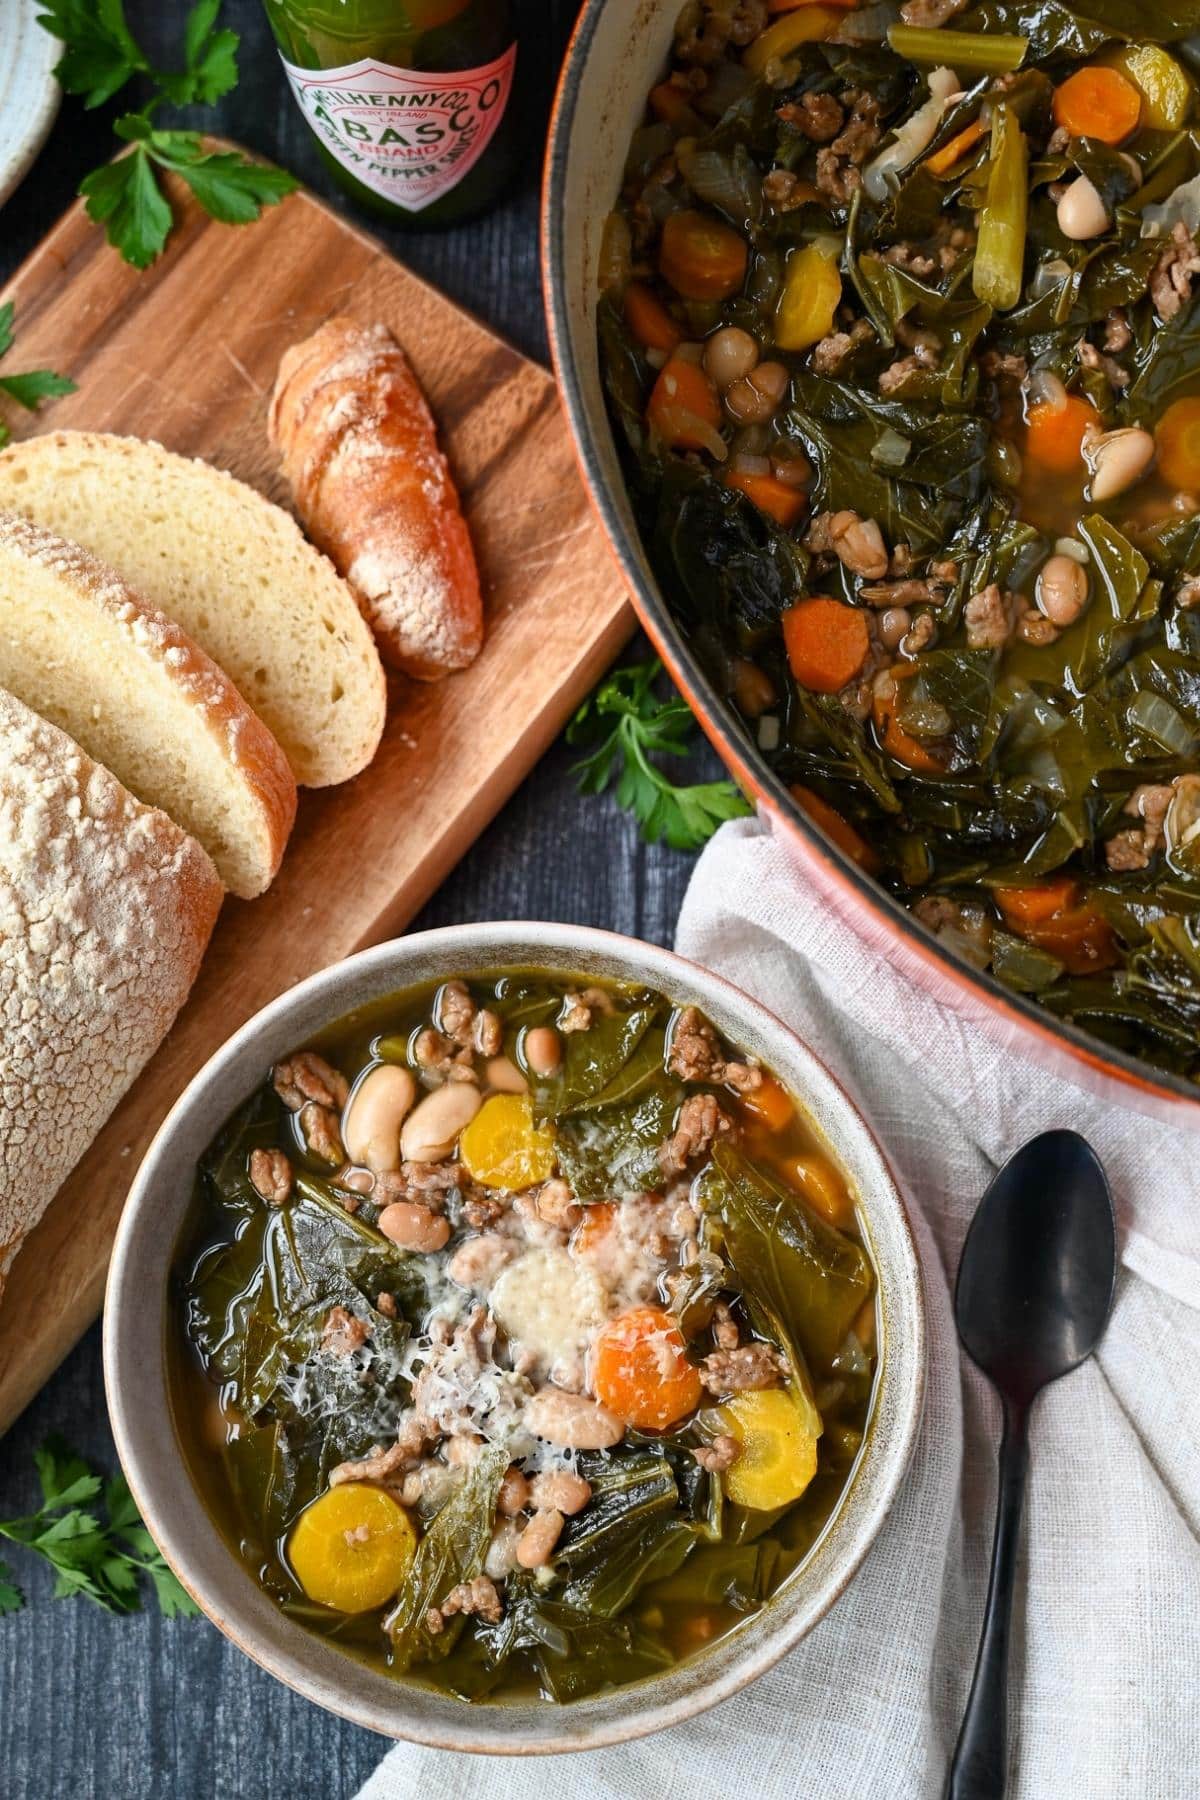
<point x="408" y="98"/>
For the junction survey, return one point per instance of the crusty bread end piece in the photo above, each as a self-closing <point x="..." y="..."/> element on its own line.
<point x="229" y="567"/>
<point x="84" y="650"/>
<point x="105" y="910"/>
<point x="359" y="447"/>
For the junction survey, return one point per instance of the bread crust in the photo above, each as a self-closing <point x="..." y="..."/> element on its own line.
<point x="106" y="907"/>
<point x="245" y="743"/>
<point x="359" y="448"/>
<point x="138" y="467"/>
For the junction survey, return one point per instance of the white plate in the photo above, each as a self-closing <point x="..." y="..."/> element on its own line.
<point x="29" y="94"/>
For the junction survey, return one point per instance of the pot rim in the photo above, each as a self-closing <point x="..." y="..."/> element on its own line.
<point x="1155" y="1091"/>
<point x="210" y="1572"/>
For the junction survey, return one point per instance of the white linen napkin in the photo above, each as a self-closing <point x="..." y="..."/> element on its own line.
<point x="1105" y="1688"/>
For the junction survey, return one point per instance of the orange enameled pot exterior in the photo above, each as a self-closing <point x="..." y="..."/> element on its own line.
<point x="618" y="50"/>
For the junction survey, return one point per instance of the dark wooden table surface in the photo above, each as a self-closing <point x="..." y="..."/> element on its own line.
<point x="121" y="1709"/>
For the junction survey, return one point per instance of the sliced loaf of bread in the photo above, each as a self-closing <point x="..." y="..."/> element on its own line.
<point x="83" y="649"/>
<point x="105" y="909"/>
<point x="229" y="567"/>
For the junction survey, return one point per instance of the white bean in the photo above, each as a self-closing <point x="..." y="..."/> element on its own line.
<point x="572" y="1421"/>
<point x="1062" y="590"/>
<point x="414" y="1227"/>
<point x="501" y="1558"/>
<point x="1117" y="459"/>
<point x="542" y="1049"/>
<point x="538" y="1539"/>
<point x="1081" y="211"/>
<point x="754" y="399"/>
<point x="729" y="354"/>
<point x="562" y="1489"/>
<point x="503" y="1077"/>
<point x="374" y="1114"/>
<point x="431" y="1130"/>
<point x="513" y="1497"/>
<point x="894" y="622"/>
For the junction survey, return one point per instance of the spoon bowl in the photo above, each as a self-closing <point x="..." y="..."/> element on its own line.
<point x="1035" y="1283"/>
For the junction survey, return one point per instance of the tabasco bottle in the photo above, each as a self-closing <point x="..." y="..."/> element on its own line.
<point x="408" y="98"/>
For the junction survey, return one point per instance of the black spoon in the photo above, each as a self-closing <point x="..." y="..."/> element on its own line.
<point x="1035" y="1288"/>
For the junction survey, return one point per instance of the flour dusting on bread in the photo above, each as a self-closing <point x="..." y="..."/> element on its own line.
<point x="105" y="910"/>
<point x="359" y="448"/>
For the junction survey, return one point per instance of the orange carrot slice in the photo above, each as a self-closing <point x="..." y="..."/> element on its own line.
<point x="826" y="641"/>
<point x="1058" y="917"/>
<point x="770" y="1103"/>
<point x="1178" y="437"/>
<point x="640" y="1369"/>
<point x="957" y="147"/>
<point x="1098" y="103"/>
<point x="684" y="409"/>
<point x="838" y="828"/>
<point x="1054" y="435"/>
<point x="701" y="257"/>
<point x="921" y="758"/>
<point x="648" y="319"/>
<point x="1024" y="907"/>
<point x="780" y="502"/>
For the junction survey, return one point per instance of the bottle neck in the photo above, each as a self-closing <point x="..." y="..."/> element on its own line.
<point x="416" y="34"/>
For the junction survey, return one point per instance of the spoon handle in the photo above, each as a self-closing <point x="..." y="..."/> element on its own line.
<point x="979" y="1768"/>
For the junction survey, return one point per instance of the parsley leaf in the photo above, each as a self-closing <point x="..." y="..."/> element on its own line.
<point x="125" y="196"/>
<point x="211" y="59"/>
<point x="100" y="1559"/>
<point x="227" y="186"/>
<point x="624" y="724"/>
<point x="32" y="387"/>
<point x="65" y="1477"/>
<point x="101" y="54"/>
<point x="11" y="1597"/>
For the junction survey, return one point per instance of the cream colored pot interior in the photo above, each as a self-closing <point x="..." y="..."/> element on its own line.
<point x="626" y="54"/>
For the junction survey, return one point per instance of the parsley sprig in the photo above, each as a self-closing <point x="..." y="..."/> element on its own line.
<point x="102" y="1558"/>
<point x="100" y="57"/>
<point x="35" y="385"/>
<point x="625" y="723"/>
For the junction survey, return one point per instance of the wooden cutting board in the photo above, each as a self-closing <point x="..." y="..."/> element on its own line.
<point x="186" y="353"/>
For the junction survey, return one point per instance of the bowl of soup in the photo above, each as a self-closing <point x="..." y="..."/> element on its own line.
<point x="514" y="1339"/>
<point x="891" y="436"/>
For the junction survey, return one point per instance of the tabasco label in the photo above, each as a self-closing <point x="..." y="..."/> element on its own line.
<point x="409" y="136"/>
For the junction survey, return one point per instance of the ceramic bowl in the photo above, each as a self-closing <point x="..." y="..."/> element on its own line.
<point x="135" y="1327"/>
<point x="29" y="94"/>
<point x="618" y="52"/>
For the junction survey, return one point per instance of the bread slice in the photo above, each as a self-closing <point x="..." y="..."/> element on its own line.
<point x="105" y="909"/>
<point x="233" y="570"/>
<point x="80" y="647"/>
